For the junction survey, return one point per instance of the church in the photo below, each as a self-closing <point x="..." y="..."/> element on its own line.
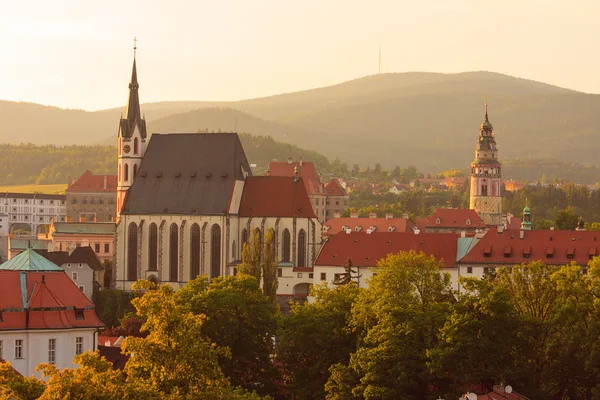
<point x="186" y="204"/>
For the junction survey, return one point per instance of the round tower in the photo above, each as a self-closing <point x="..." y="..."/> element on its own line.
<point x="526" y="225"/>
<point x="486" y="176"/>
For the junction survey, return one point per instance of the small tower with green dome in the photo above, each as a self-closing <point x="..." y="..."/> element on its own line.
<point x="526" y="225"/>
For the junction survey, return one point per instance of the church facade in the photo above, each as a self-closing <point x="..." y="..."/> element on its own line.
<point x="486" y="176"/>
<point x="188" y="202"/>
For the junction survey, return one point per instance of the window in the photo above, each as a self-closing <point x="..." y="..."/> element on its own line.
<point x="173" y="253"/>
<point x="106" y="248"/>
<point x="135" y="170"/>
<point x="337" y="202"/>
<point x="1" y="319"/>
<point x="51" y="201"/>
<point x="233" y="250"/>
<point x="79" y="313"/>
<point x="323" y="276"/>
<point x="132" y="255"/>
<point x="52" y="351"/>
<point x="152" y="247"/>
<point x="194" y="251"/>
<point x="126" y="172"/>
<point x="279" y="272"/>
<point x="302" y="248"/>
<point x="135" y="147"/>
<point x="74" y="276"/>
<point x="469" y="270"/>
<point x="317" y="202"/>
<point x="244" y="237"/>
<point x="215" y="251"/>
<point x="78" y="345"/>
<point x="97" y="248"/>
<point x="310" y="275"/>
<point x="285" y="244"/>
<point x="299" y="275"/>
<point x="14" y="200"/>
<point x="81" y="288"/>
<point x="41" y="219"/>
<point x="18" y="348"/>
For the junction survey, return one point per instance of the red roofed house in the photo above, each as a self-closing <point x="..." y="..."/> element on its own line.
<point x="92" y="198"/>
<point x="373" y="224"/>
<point x="367" y="249"/>
<point x="499" y="392"/>
<point x="44" y="317"/>
<point x="325" y="199"/>
<point x="281" y="204"/>
<point x="454" y="220"/>
<point x="505" y="247"/>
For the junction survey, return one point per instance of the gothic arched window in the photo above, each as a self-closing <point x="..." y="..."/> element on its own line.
<point x="302" y="248"/>
<point x="132" y="253"/>
<point x="135" y="146"/>
<point x="258" y="234"/>
<point x="135" y="169"/>
<point x="173" y="252"/>
<point x="233" y="250"/>
<point x="244" y="237"/>
<point x="194" y="251"/>
<point x="153" y="247"/>
<point x="215" y="251"/>
<point x="285" y="246"/>
<point x="126" y="172"/>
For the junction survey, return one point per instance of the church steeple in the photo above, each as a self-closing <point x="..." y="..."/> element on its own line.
<point x="132" y="138"/>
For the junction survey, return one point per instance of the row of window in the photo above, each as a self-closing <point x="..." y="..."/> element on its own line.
<point x="20" y="354"/>
<point x="195" y="247"/>
<point x="26" y="218"/>
<point x="40" y="201"/>
<point x="92" y="201"/>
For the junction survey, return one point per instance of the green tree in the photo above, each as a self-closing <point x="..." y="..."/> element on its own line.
<point x="398" y="318"/>
<point x="566" y="219"/>
<point x="269" y="267"/>
<point x="251" y="254"/>
<point x="314" y="337"/>
<point x="240" y="318"/>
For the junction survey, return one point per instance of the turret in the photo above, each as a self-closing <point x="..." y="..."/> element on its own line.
<point x="526" y="224"/>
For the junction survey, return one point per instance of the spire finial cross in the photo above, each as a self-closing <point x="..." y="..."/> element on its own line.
<point x="135" y="45"/>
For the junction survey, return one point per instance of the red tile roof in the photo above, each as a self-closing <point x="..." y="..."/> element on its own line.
<point x="333" y="188"/>
<point x="501" y="396"/>
<point x="50" y="298"/>
<point x="275" y="196"/>
<point x="89" y="182"/>
<point x="455" y="218"/>
<point x="306" y="170"/>
<point x="365" y="250"/>
<point x="335" y="225"/>
<point x="514" y="223"/>
<point x="491" y="249"/>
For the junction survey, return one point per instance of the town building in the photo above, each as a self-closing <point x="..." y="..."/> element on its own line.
<point x="187" y="209"/>
<point x="371" y="224"/>
<point x="486" y="176"/>
<point x="18" y="244"/>
<point x="44" y="317"/>
<point x="100" y="236"/>
<point x="28" y="213"/>
<point x="455" y="220"/>
<point x="326" y="199"/>
<point x="505" y="247"/>
<point x="81" y="265"/>
<point x="365" y="250"/>
<point x="92" y="198"/>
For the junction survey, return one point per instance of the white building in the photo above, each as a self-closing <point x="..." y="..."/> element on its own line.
<point x="44" y="317"/>
<point x="28" y="212"/>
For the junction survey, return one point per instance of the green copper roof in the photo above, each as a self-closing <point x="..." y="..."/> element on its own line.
<point x="526" y="210"/>
<point x="23" y="244"/>
<point x="29" y="260"/>
<point x="464" y="246"/>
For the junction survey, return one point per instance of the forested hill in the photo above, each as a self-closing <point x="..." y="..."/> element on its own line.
<point x="424" y="119"/>
<point x="31" y="164"/>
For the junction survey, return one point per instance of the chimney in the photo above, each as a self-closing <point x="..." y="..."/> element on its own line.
<point x="522" y="234"/>
<point x="372" y="215"/>
<point x="289" y="160"/>
<point x="389" y="215"/>
<point x="337" y="214"/>
<point x="551" y="228"/>
<point x="105" y="182"/>
<point x="300" y="162"/>
<point x="354" y="214"/>
<point x="463" y="234"/>
<point x="416" y="231"/>
<point x="499" y="389"/>
<point x="405" y="215"/>
<point x="500" y="228"/>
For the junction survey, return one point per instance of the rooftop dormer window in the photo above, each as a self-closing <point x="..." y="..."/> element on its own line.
<point x="79" y="313"/>
<point x="468" y="221"/>
<point x="438" y="221"/>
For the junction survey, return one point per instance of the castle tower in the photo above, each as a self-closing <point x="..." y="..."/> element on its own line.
<point x="132" y="140"/>
<point x="486" y="176"/>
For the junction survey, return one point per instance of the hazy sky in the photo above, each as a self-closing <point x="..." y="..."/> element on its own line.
<point x="78" y="54"/>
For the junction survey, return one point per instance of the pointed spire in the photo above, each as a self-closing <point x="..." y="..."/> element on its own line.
<point x="133" y="115"/>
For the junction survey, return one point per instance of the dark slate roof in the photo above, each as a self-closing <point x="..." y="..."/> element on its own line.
<point x="191" y="173"/>
<point x="57" y="257"/>
<point x="85" y="255"/>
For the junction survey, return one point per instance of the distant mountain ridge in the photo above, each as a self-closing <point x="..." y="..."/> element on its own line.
<point x="425" y="119"/>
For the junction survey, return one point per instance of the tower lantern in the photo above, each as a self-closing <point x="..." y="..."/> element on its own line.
<point x="486" y="176"/>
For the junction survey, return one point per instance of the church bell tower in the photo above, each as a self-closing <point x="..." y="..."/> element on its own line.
<point x="486" y="176"/>
<point x="132" y="139"/>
